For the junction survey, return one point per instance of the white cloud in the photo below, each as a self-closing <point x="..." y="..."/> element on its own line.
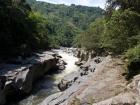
<point x="84" y="2"/>
<point x="100" y="3"/>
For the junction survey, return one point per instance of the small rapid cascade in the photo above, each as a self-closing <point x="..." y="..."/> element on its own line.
<point x="70" y="67"/>
<point x="48" y="85"/>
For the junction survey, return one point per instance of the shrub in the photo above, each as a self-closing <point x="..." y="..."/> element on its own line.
<point x="133" y="55"/>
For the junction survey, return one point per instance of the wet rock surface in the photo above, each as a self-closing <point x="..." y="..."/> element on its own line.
<point x="61" y="64"/>
<point x="16" y="80"/>
<point x="71" y="84"/>
<point x="99" y="81"/>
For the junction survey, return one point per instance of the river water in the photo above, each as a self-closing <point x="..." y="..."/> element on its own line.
<point x="48" y="85"/>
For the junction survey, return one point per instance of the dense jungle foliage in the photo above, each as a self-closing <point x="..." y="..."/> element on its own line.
<point x="21" y="31"/>
<point x="66" y="22"/>
<point x="118" y="32"/>
<point x="28" y="26"/>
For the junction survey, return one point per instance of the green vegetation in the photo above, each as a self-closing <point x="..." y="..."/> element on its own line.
<point x="66" y="22"/>
<point x="27" y="28"/>
<point x="91" y="38"/>
<point x="14" y="26"/>
<point x="118" y="32"/>
<point x="80" y="16"/>
<point x="22" y="31"/>
<point x="121" y="31"/>
<point x="133" y="53"/>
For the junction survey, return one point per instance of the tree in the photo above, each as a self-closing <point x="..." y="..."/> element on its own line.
<point x="90" y="39"/>
<point x="39" y="26"/>
<point x="22" y="31"/>
<point x="65" y="22"/>
<point x="13" y="25"/>
<point x="112" y="5"/>
<point x="121" y="31"/>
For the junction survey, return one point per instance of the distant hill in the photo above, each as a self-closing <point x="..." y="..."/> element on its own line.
<point x="81" y="16"/>
<point x="75" y="17"/>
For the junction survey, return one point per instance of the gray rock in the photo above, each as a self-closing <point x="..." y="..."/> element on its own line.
<point x="63" y="85"/>
<point x="68" y="80"/>
<point x="78" y="63"/>
<point x="19" y="79"/>
<point x="106" y="86"/>
<point x="61" y="64"/>
<point x="2" y="81"/>
<point x="98" y="60"/>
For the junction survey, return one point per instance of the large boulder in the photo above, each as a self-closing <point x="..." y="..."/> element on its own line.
<point x="68" y="80"/>
<point x="106" y="82"/>
<point x="17" y="80"/>
<point x="63" y="85"/>
<point x="61" y="64"/>
<point x="79" y="63"/>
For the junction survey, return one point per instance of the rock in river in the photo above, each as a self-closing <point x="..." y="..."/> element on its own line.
<point x="17" y="80"/>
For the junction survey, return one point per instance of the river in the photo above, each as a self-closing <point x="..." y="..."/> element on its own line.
<point x="48" y="85"/>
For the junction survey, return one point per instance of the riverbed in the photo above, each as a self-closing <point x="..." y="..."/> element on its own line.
<point x="48" y="84"/>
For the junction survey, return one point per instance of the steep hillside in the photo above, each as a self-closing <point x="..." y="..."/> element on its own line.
<point x="80" y="16"/>
<point x="66" y="21"/>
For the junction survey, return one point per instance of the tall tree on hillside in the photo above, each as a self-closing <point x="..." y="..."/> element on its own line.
<point x="14" y="25"/>
<point x="122" y="4"/>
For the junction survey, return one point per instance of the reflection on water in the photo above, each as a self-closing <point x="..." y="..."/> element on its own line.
<point x="48" y="85"/>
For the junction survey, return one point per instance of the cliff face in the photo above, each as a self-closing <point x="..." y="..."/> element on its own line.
<point x="18" y="80"/>
<point x="100" y="81"/>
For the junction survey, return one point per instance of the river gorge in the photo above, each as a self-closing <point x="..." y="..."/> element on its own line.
<point x="53" y="78"/>
<point x="49" y="83"/>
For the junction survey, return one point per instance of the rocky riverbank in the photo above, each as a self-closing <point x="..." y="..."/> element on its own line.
<point x="99" y="81"/>
<point x="17" y="80"/>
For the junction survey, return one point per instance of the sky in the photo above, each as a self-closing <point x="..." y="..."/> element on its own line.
<point x="100" y="3"/>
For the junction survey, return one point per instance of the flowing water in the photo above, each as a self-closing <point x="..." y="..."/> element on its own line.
<point x="48" y="85"/>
